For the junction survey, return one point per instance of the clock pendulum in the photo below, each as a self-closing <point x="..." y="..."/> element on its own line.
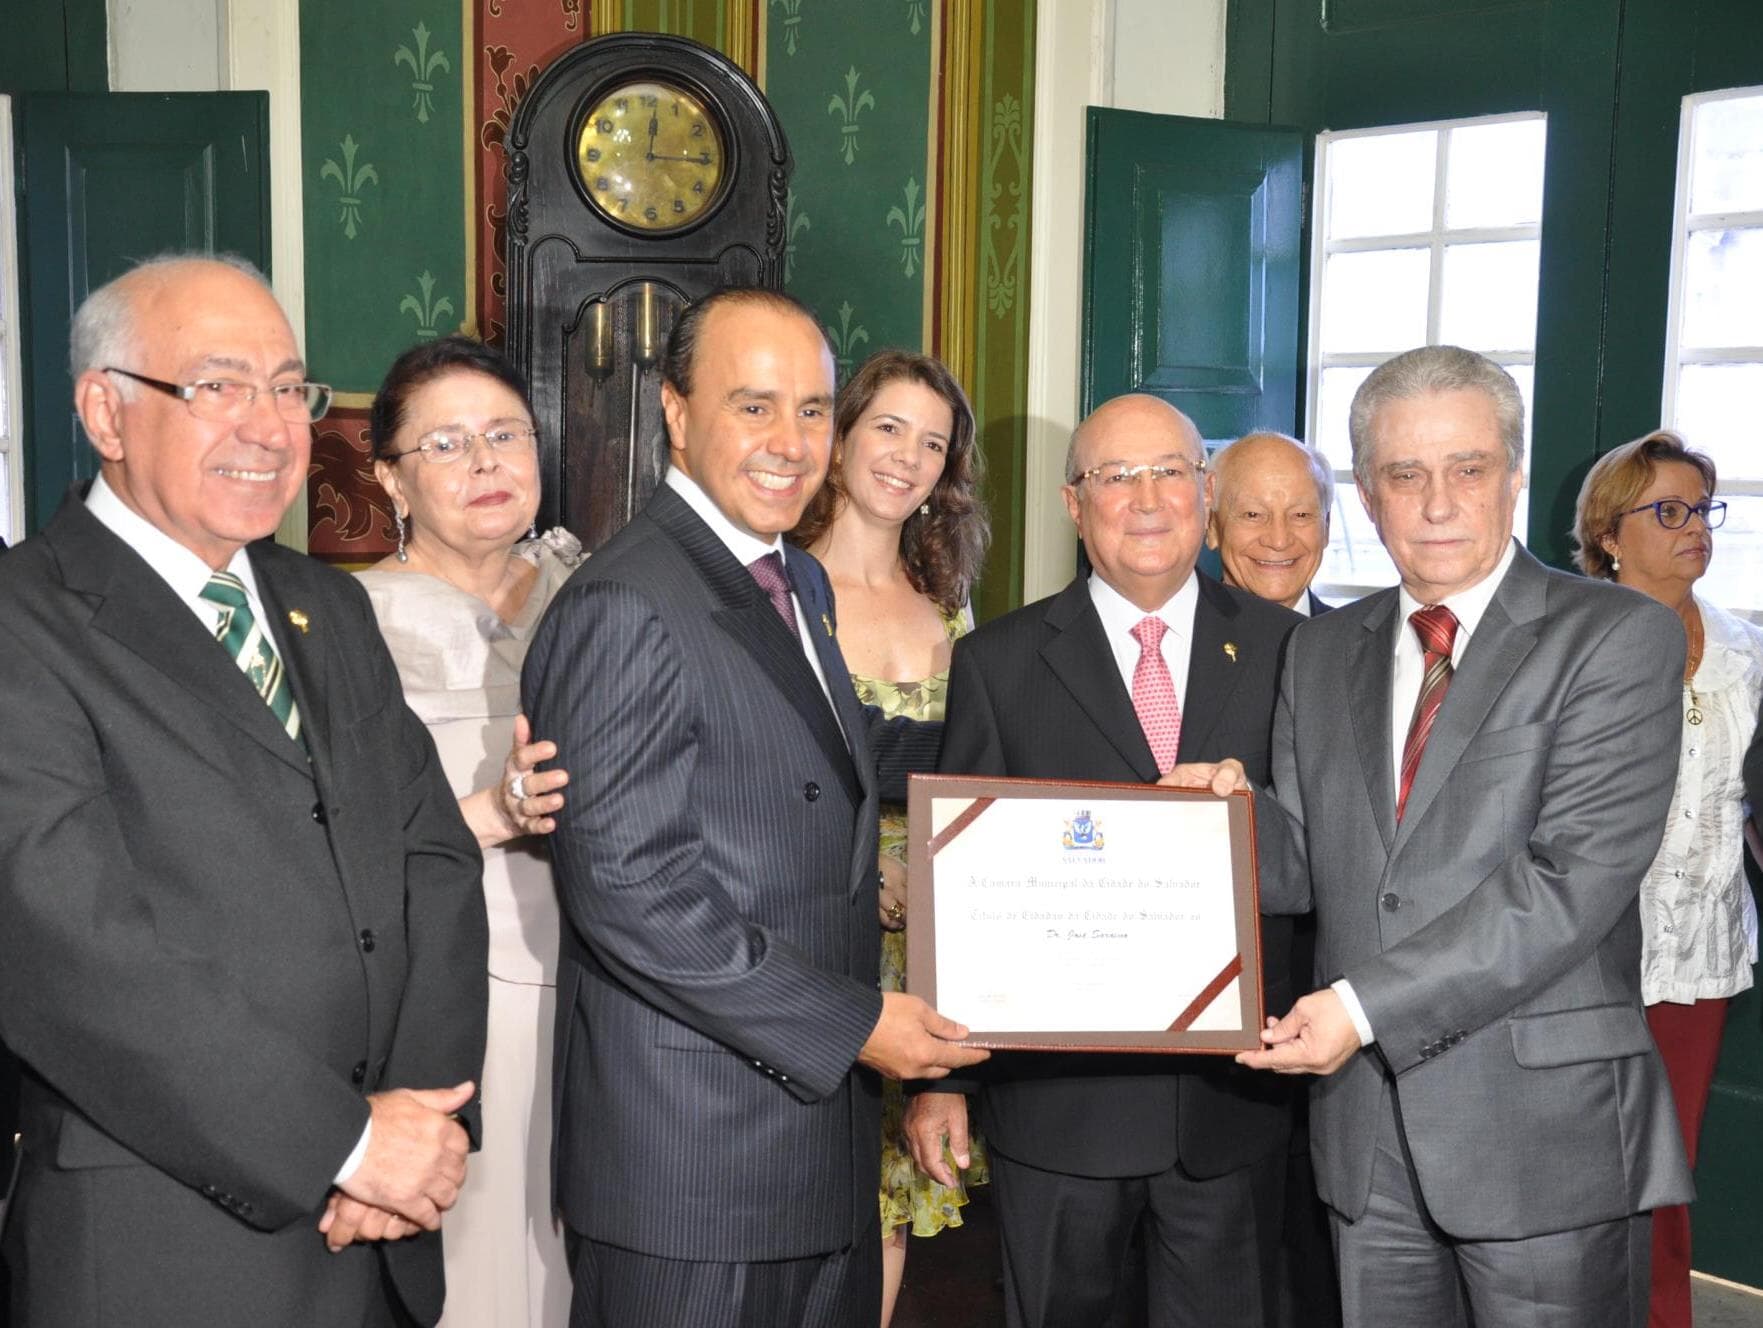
<point x="645" y="350"/>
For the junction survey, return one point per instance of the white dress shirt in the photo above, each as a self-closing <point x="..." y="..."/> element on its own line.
<point x="1120" y="615"/>
<point x="187" y="574"/>
<point x="177" y="566"/>
<point x="1407" y="672"/>
<point x="746" y="548"/>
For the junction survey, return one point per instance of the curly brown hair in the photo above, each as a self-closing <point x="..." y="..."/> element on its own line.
<point x="942" y="552"/>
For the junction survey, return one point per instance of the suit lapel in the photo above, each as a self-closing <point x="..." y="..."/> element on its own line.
<point x="1213" y="671"/>
<point x="1369" y="663"/>
<point x="1500" y="643"/>
<point x="1079" y="657"/>
<point x="140" y="612"/>
<point x="746" y="614"/>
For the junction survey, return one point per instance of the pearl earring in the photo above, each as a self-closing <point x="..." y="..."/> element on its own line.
<point x="924" y="510"/>
<point x="1615" y="563"/>
<point x="533" y="530"/>
<point x="403" y="554"/>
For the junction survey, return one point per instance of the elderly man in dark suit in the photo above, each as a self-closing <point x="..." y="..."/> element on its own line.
<point x="241" y="934"/>
<point x="1125" y="672"/>
<point x="1271" y="498"/>
<point x="719" y="1024"/>
<point x="1477" y="776"/>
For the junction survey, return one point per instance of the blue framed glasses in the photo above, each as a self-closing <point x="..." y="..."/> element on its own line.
<point x="1675" y="514"/>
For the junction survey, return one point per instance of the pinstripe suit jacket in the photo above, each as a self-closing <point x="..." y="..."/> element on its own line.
<point x="716" y="864"/>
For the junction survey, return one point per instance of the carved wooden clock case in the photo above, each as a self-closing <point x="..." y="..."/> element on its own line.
<point x="644" y="171"/>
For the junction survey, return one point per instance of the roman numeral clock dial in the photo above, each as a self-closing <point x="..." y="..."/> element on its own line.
<point x="651" y="156"/>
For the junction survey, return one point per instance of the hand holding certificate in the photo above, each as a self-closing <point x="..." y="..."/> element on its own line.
<point x="1088" y="916"/>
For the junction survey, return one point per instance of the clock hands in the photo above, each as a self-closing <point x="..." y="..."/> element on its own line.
<point x="702" y="159"/>
<point x="654" y="129"/>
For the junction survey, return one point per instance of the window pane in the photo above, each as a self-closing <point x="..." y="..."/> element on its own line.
<point x="1722" y="278"/>
<point x="1490" y="296"/>
<point x="1716" y="410"/>
<point x="1355" y="555"/>
<point x="1495" y="174"/>
<point x="1375" y="301"/>
<point x="1525" y="376"/>
<point x="1727" y="173"/>
<point x="1381" y="184"/>
<point x="1734" y="579"/>
<point x="1334" y="395"/>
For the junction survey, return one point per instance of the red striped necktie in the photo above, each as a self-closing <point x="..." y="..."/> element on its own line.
<point x="1436" y="626"/>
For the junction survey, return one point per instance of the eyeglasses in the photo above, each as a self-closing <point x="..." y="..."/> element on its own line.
<point x="1118" y="477"/>
<point x="1674" y="514"/>
<point x="445" y="446"/>
<point x="227" y="401"/>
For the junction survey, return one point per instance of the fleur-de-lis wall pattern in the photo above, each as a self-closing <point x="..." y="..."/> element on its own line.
<point x="849" y="107"/>
<point x="427" y="310"/>
<point x="792" y="23"/>
<point x="351" y="179"/>
<point x="424" y="65"/>
<point x="910" y="220"/>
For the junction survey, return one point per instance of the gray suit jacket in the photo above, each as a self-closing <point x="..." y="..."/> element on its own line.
<point x="212" y="947"/>
<point x="716" y="863"/>
<point x="1492" y="936"/>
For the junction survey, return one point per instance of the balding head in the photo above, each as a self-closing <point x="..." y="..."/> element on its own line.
<point x="217" y="471"/>
<point x="1135" y="486"/>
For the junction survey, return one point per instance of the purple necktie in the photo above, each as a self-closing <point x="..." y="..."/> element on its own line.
<point x="1436" y="626"/>
<point x="775" y="582"/>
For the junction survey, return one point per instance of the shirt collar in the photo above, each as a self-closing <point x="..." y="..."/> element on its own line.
<point x="177" y="566"/>
<point x="746" y="547"/>
<point x="1467" y="606"/>
<point x="1120" y="615"/>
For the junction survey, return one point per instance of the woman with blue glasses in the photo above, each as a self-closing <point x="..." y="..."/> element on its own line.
<point x="1646" y="519"/>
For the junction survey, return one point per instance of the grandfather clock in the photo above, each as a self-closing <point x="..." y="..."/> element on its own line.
<point x="644" y="171"/>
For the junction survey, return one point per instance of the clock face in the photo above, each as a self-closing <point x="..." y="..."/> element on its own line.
<point x="651" y="156"/>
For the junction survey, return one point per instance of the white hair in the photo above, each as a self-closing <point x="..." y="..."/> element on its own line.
<point x="104" y="334"/>
<point x="1434" y="369"/>
<point x="1320" y="471"/>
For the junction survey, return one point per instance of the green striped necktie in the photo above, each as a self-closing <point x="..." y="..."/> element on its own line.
<point x="251" y="648"/>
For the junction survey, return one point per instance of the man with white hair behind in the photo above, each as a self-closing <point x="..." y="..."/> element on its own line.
<point x="1271" y="498"/>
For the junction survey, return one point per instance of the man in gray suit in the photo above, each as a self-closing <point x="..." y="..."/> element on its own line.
<point x="1476" y="767"/>
<point x="719" y="1025"/>
<point x="242" y="935"/>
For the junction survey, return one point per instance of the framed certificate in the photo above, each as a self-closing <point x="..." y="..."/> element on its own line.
<point x="1085" y="916"/>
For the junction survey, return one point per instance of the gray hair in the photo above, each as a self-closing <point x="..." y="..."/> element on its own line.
<point x="1434" y="369"/>
<point x="1320" y="471"/>
<point x="104" y="331"/>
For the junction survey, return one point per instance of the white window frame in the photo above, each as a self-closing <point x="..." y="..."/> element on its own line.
<point x="1683" y="224"/>
<point x="1435" y="241"/>
<point x="11" y="353"/>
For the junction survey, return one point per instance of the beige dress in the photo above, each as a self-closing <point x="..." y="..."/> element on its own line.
<point x="460" y="666"/>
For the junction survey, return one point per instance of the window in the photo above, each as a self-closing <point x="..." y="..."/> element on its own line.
<point x="1714" y="345"/>
<point x="1424" y="235"/>
<point x="11" y="370"/>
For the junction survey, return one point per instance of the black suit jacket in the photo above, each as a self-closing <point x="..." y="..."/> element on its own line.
<point x="1037" y="694"/>
<point x="212" y="947"/>
<point x="716" y="863"/>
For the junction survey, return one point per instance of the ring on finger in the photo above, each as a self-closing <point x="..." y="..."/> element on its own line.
<point x="517" y="787"/>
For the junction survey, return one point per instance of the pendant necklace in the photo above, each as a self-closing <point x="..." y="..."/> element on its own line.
<point x="1693" y="715"/>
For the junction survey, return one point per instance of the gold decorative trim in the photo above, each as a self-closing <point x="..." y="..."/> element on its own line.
<point x="957" y="127"/>
<point x="352" y="400"/>
<point x="740" y="34"/>
<point x="469" y="123"/>
<point x="605" y="16"/>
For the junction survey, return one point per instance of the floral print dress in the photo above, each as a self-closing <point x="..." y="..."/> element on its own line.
<point x="910" y="1198"/>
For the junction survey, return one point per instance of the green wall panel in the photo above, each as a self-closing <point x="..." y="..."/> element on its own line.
<point x="850" y="79"/>
<point x="383" y="172"/>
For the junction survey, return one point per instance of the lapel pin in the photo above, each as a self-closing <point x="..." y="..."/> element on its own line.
<point x="827" y="623"/>
<point x="299" y="619"/>
<point x="1230" y="648"/>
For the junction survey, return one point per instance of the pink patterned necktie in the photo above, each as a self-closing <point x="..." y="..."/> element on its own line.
<point x="1436" y="626"/>
<point x="1153" y="694"/>
<point x="769" y="572"/>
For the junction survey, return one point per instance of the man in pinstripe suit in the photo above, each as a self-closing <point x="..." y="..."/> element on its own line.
<point x="720" y="1030"/>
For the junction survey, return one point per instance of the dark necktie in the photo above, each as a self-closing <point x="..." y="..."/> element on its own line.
<point x="1436" y="626"/>
<point x="774" y="581"/>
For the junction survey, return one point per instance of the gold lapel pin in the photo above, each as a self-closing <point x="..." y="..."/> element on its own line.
<point x="299" y="619"/>
<point x="827" y="623"/>
<point x="1230" y="648"/>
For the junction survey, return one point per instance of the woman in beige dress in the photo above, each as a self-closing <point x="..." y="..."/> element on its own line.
<point x="454" y="448"/>
<point x="901" y="530"/>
